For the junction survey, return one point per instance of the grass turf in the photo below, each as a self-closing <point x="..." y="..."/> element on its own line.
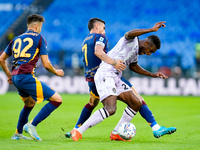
<point x="181" y="112"/>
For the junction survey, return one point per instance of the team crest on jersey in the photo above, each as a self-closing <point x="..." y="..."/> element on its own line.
<point x="101" y="39"/>
<point x="114" y="90"/>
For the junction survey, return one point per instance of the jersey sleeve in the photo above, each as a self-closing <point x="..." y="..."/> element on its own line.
<point x="42" y="46"/>
<point x="8" y="49"/>
<point x="101" y="40"/>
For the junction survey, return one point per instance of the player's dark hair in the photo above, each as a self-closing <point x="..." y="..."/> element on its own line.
<point x="34" y="18"/>
<point x="155" y="40"/>
<point x="92" y="21"/>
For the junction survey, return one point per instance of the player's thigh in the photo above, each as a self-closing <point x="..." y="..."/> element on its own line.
<point x="30" y="102"/>
<point x="136" y="93"/>
<point x="55" y="98"/>
<point x="131" y="99"/>
<point x="110" y="104"/>
<point x="105" y="84"/>
<point x="28" y="85"/>
<point x="130" y="85"/>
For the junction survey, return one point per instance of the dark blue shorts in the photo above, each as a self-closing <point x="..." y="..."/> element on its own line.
<point x="28" y="85"/>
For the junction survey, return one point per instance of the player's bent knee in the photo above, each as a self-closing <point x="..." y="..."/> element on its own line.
<point x="94" y="102"/>
<point x="56" y="98"/>
<point x="111" y="111"/>
<point x="139" y="104"/>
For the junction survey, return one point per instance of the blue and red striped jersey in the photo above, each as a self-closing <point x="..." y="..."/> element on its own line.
<point x="25" y="50"/>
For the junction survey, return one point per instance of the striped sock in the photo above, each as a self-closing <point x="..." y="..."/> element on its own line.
<point x="127" y="116"/>
<point x="85" y="114"/>
<point x="97" y="117"/>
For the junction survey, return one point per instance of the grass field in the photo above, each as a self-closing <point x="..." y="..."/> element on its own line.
<point x="181" y="112"/>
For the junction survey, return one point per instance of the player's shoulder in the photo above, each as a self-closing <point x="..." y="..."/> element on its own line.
<point x="100" y="35"/>
<point x="43" y="38"/>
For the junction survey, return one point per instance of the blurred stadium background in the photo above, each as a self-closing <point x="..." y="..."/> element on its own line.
<point x="66" y="27"/>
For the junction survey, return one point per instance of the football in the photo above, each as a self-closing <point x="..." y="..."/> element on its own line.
<point x="127" y="130"/>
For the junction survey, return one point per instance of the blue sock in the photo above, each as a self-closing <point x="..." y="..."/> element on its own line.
<point x="45" y="112"/>
<point x="23" y="118"/>
<point x="85" y="114"/>
<point x="146" y="113"/>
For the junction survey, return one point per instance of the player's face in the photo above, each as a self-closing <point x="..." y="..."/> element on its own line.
<point x="147" y="49"/>
<point x="101" y="28"/>
<point x="39" y="27"/>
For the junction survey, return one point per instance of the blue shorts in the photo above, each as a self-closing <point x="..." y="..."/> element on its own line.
<point x="93" y="89"/>
<point x="28" y="85"/>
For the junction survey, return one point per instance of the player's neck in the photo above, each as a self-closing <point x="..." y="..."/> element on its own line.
<point x="32" y="29"/>
<point x="94" y="31"/>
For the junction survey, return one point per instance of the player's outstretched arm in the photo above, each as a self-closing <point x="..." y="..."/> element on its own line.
<point x="3" y="65"/>
<point x="48" y="66"/>
<point x="137" y="32"/>
<point x="138" y="69"/>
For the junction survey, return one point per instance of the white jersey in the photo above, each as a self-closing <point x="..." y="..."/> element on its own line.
<point x="126" y="50"/>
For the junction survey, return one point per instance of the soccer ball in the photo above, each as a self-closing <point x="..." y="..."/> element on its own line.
<point x="127" y="130"/>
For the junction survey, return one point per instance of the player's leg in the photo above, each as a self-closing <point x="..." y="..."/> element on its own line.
<point x="40" y="92"/>
<point x="97" y="117"/>
<point x="88" y="108"/>
<point x="108" y="95"/>
<point x="134" y="105"/>
<point x="54" y="102"/>
<point x="128" y="114"/>
<point x="23" y="118"/>
<point x="146" y="113"/>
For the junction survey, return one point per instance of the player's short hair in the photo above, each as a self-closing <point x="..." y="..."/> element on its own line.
<point x="92" y="21"/>
<point x="155" y="40"/>
<point x="34" y="18"/>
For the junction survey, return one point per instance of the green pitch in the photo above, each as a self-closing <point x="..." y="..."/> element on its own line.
<point x="181" y="112"/>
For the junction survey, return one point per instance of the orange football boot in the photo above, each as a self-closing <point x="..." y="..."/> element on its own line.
<point x="116" y="137"/>
<point x="75" y="135"/>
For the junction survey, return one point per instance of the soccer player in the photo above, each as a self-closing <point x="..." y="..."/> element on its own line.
<point x="110" y="87"/>
<point x="94" y="49"/>
<point x="95" y="45"/>
<point x="26" y="50"/>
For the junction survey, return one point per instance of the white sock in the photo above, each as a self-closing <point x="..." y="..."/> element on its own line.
<point x="97" y="117"/>
<point x="127" y="116"/>
<point x="155" y="127"/>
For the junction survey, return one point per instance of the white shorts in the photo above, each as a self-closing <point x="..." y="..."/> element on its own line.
<point x="109" y="83"/>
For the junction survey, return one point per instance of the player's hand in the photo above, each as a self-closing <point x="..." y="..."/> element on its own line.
<point x="159" y="25"/>
<point x="159" y="75"/>
<point x="119" y="65"/>
<point x="60" y="72"/>
<point x="10" y="80"/>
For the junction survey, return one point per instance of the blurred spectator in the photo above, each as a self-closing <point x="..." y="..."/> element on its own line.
<point x="177" y="71"/>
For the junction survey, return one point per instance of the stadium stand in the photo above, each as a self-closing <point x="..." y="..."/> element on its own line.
<point x="66" y="27"/>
